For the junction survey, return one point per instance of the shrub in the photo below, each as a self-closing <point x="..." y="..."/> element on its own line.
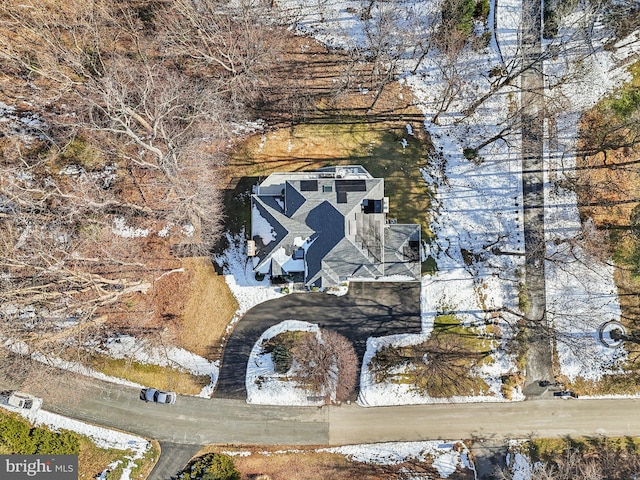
<point x="48" y="442"/>
<point x="79" y="151"/>
<point x="482" y="9"/>
<point x="16" y="435"/>
<point x="212" y="466"/>
<point x="523" y="298"/>
<point x="19" y="437"/>
<point x="281" y="356"/>
<point x="325" y="362"/>
<point x="627" y="103"/>
<point x="280" y="348"/>
<point x="459" y="15"/>
<point x="470" y="153"/>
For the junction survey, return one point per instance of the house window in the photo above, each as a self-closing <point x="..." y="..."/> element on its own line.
<point x="327" y="188"/>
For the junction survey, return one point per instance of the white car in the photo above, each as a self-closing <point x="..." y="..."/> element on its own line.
<point x="20" y="400"/>
<point x="157" y="396"/>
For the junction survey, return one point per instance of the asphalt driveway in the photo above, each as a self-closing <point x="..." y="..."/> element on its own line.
<point x="367" y="310"/>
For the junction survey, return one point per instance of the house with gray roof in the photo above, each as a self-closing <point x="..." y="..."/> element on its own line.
<point x="329" y="226"/>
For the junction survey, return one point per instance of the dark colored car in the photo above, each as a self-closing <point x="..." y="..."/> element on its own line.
<point x="565" y="394"/>
<point x="157" y="396"/>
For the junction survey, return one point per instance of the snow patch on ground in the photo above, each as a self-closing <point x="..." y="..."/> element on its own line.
<point x="28" y="126"/>
<point x="248" y="127"/>
<point x="125" y="346"/>
<point x="102" y="437"/>
<point x="519" y="466"/>
<point x="239" y="275"/>
<point x="264" y="385"/>
<point x="447" y="456"/>
<point x="105" y="177"/>
<point x="188" y="230"/>
<point x="121" y="229"/>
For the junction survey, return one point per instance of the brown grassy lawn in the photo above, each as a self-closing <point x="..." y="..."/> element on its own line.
<point x="377" y="147"/>
<point x="196" y="306"/>
<point x="164" y="378"/>
<point x="306" y="464"/>
<point x="209" y="308"/>
<point x="93" y="460"/>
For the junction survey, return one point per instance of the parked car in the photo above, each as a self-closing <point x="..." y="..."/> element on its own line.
<point x="157" y="396"/>
<point x="565" y="394"/>
<point x="20" y="400"/>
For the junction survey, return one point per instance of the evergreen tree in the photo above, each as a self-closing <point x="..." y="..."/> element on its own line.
<point x="212" y="466"/>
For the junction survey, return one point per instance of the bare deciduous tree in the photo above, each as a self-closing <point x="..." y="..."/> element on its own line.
<point x="602" y="462"/>
<point x="326" y="364"/>
<point x="395" y="31"/>
<point x="236" y="43"/>
<point x="128" y="138"/>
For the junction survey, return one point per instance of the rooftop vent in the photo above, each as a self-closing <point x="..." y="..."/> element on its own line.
<point x="308" y="185"/>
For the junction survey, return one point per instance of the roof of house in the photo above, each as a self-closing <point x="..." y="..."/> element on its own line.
<point x="330" y="225"/>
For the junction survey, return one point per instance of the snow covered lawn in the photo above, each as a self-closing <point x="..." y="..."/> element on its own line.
<point x="238" y="272"/>
<point x="125" y="346"/>
<point x="479" y="240"/>
<point x="445" y="457"/>
<point x="264" y="385"/>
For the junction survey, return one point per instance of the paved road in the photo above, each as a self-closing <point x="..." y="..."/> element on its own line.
<point x="539" y="355"/>
<point x="368" y="310"/>
<point x="490" y="454"/>
<point x="192" y="420"/>
<point x="199" y="421"/>
<point x="173" y="458"/>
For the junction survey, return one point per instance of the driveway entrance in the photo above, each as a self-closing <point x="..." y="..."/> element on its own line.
<point x="368" y="310"/>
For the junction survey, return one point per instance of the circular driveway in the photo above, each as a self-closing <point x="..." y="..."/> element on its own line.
<point x="369" y="309"/>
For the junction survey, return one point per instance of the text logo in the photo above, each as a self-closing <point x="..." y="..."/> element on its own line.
<point x="39" y="467"/>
